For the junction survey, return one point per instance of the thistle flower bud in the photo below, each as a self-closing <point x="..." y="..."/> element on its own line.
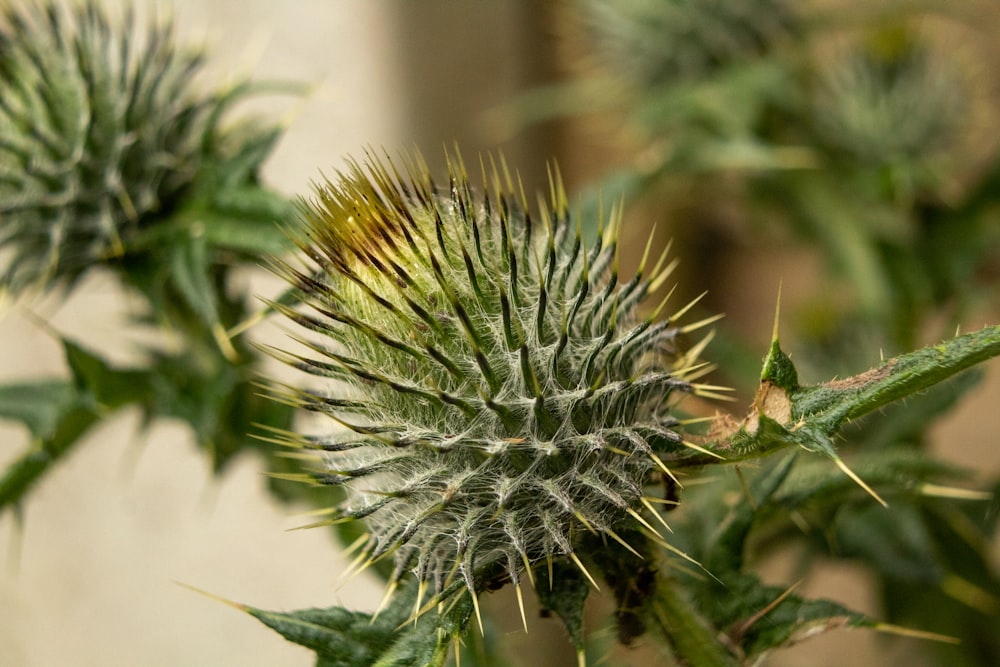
<point x="668" y="41"/>
<point x="99" y="131"/>
<point x="895" y="104"/>
<point x="499" y="392"/>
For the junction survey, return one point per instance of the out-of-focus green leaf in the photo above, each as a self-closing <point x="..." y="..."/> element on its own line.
<point x="234" y="169"/>
<point x="729" y="104"/>
<point x="841" y="226"/>
<point x="964" y="600"/>
<point x="25" y="471"/>
<point x="189" y="273"/>
<point x="59" y="413"/>
<point x="256" y="237"/>
<point x="897" y="542"/>
<point x="901" y="472"/>
<point x="38" y="405"/>
<point x="109" y="387"/>
<point x="724" y="553"/>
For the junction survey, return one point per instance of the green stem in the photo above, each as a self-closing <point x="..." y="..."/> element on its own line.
<point x="673" y="619"/>
<point x="785" y="414"/>
<point x="844" y="400"/>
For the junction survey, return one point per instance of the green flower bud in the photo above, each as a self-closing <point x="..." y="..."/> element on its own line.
<point x="500" y="393"/>
<point x="885" y="104"/>
<point x="99" y="133"/>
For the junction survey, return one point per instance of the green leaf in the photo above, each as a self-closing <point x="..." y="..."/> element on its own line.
<point x="200" y="388"/>
<point x="761" y="618"/>
<point x="338" y="636"/>
<point x="109" y="387"/>
<point x="830" y="212"/>
<point x="38" y="405"/>
<point x="834" y="403"/>
<point x="724" y="554"/>
<point x="756" y="618"/>
<point x="729" y="104"/>
<point x="23" y="473"/>
<point x="685" y="628"/>
<point x="189" y="273"/>
<point x="564" y="594"/>
<point x="255" y="236"/>
<point x="906" y="423"/>
<point x="59" y="413"/>
<point x="343" y="638"/>
<point x="240" y="167"/>
<point x="898" y="542"/>
<point x="964" y="601"/>
<point x="902" y="471"/>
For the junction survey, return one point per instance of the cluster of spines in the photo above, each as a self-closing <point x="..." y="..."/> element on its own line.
<point x="499" y="391"/>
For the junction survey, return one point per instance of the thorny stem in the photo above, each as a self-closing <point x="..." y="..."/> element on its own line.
<point x="844" y="400"/>
<point x="784" y="414"/>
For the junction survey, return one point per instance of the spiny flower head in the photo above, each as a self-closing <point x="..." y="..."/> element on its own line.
<point x="498" y="392"/>
<point x="100" y="131"/>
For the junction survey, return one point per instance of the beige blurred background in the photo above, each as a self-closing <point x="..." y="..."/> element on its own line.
<point x="93" y="576"/>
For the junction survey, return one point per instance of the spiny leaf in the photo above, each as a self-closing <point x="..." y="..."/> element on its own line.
<point x="843" y="400"/>
<point x="343" y="638"/>
<point x="792" y="619"/>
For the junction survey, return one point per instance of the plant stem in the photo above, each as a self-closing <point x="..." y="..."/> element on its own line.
<point x="673" y="619"/>
<point x="897" y="378"/>
<point x="785" y="414"/>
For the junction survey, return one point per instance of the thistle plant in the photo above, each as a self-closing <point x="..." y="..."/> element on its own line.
<point x="495" y="404"/>
<point x="499" y="410"/>
<point x="499" y="390"/>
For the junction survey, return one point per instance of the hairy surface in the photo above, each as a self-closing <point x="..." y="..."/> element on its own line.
<point x="499" y="389"/>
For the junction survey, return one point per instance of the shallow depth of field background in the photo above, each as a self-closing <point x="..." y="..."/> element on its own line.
<point x="92" y="577"/>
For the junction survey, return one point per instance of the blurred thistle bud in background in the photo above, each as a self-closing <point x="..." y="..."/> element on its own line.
<point x="655" y="42"/>
<point x="890" y="100"/>
<point x="102" y="134"/>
